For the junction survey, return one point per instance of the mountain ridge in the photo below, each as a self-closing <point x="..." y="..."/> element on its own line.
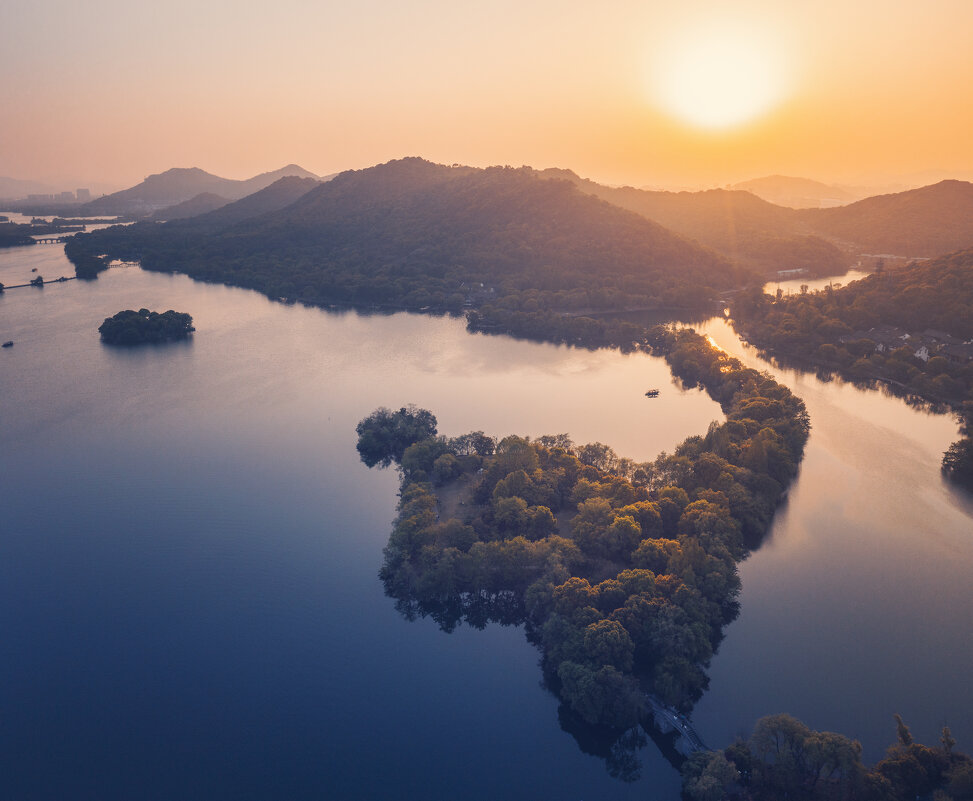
<point x="797" y="192"/>
<point x="179" y="184"/>
<point x="413" y="234"/>
<point x="918" y="223"/>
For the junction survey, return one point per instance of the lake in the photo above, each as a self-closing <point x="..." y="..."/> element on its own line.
<point x="793" y="286"/>
<point x="190" y="548"/>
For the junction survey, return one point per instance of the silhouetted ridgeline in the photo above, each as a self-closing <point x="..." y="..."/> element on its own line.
<point x="411" y="234"/>
<point x="911" y="327"/>
<point x="180" y="184"/>
<point x="624" y="573"/>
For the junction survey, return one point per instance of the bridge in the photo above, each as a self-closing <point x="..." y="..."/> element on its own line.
<point x="50" y="240"/>
<point x="42" y="282"/>
<point x="667" y="719"/>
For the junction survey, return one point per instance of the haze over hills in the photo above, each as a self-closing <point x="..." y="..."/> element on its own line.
<point x="925" y="222"/>
<point x="278" y="195"/>
<point x="747" y="230"/>
<point x="200" y="204"/>
<point x="412" y="233"/>
<point x="180" y="184"/>
<point x="797" y="193"/>
<point x="16" y="188"/>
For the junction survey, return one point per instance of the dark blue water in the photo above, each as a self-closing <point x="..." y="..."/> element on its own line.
<point x="189" y="548"/>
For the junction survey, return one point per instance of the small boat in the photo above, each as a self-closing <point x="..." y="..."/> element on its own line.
<point x="8" y="344"/>
<point x="652" y="393"/>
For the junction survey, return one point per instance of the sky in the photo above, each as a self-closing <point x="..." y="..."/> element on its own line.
<point x="645" y="93"/>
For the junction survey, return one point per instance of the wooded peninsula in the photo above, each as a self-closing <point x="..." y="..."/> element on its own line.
<point x="625" y="574"/>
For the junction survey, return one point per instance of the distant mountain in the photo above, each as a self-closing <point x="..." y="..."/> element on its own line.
<point x="747" y="230"/>
<point x="178" y="185"/>
<point x="412" y="233"/>
<point x="265" y="179"/>
<point x="14" y="188"/>
<point x="752" y="232"/>
<point x="797" y="193"/>
<point x="925" y="222"/>
<point x="201" y="204"/>
<point x="278" y="195"/>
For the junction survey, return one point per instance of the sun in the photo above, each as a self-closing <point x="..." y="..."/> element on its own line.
<point x="719" y="76"/>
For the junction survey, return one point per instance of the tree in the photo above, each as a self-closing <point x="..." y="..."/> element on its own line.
<point x="904" y="735"/>
<point x="602" y="696"/>
<point x="384" y="435"/>
<point x="130" y="327"/>
<point x="947" y="740"/>
<point x="958" y="462"/>
<point x="708" y="776"/>
<point x="606" y="642"/>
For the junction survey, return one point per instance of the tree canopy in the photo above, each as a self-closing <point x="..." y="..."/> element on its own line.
<point x="623" y="573"/>
<point x="130" y="327"/>
<point x="384" y="435"/>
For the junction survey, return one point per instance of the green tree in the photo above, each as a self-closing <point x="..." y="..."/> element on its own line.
<point x="384" y="435"/>
<point x="606" y="642"/>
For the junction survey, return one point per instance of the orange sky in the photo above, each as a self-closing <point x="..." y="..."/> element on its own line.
<point x="868" y="91"/>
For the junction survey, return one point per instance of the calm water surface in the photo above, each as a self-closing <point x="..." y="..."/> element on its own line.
<point x="793" y="286"/>
<point x="188" y="562"/>
<point x="189" y="597"/>
<point x="860" y="603"/>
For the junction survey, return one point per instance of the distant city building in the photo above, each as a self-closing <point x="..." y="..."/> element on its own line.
<point x="84" y="195"/>
<point x="66" y="197"/>
<point x="40" y="198"/>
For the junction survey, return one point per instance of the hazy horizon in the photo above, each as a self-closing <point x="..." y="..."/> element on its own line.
<point x="637" y="93"/>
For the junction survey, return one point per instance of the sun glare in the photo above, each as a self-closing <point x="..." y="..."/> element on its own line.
<point x="719" y="76"/>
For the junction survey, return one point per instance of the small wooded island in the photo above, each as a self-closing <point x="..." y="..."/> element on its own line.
<point x="140" y="327"/>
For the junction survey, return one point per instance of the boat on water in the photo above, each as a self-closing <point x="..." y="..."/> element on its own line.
<point x="8" y="344"/>
<point x="652" y="393"/>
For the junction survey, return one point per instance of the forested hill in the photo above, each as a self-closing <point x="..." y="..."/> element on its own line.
<point x="934" y="294"/>
<point x="925" y="222"/>
<point x="410" y="233"/>
<point x="187" y="230"/>
<point x="911" y="328"/>
<point x="745" y="229"/>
